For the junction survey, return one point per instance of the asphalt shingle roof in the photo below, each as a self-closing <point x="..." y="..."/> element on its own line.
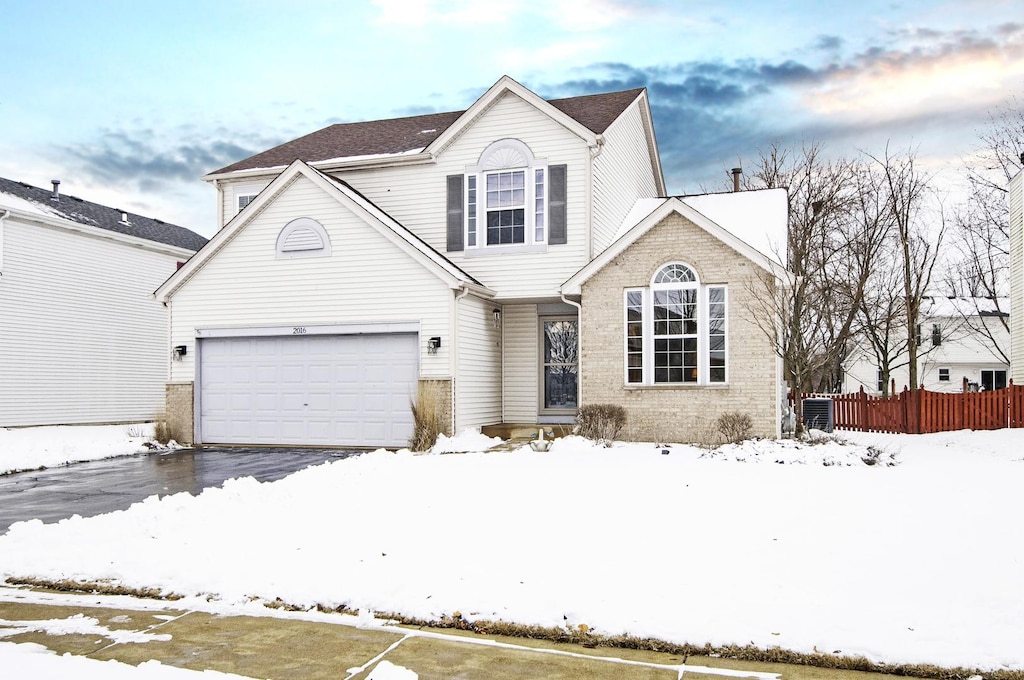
<point x="401" y="135"/>
<point x="93" y="214"/>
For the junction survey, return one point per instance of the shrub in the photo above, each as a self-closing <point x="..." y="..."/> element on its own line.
<point x="734" y="427"/>
<point x="429" y="417"/>
<point x="600" y="422"/>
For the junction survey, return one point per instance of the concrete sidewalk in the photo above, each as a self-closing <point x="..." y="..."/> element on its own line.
<point x="284" y="646"/>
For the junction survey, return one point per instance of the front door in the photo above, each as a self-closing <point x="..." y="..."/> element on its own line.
<point x="560" y="365"/>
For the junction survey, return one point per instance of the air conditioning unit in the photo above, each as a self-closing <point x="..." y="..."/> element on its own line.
<point x="818" y="414"/>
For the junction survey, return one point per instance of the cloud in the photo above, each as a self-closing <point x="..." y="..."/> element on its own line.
<point x="140" y="157"/>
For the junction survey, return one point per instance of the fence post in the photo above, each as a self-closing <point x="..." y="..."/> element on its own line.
<point x="863" y="420"/>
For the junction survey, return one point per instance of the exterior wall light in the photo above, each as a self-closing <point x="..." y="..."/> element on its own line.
<point x="179" y="352"/>
<point x="497" y="317"/>
<point x="433" y="344"/>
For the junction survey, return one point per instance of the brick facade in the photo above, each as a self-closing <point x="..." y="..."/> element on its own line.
<point x="679" y="413"/>
<point x="179" y="411"/>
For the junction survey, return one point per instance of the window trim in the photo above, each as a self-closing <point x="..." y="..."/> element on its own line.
<point x="943" y="374"/>
<point x="703" y="335"/>
<point x="246" y="191"/>
<point x="505" y="155"/>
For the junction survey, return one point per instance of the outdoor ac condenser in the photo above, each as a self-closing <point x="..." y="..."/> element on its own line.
<point x="818" y="414"/>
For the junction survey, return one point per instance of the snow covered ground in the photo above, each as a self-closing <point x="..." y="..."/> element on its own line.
<point x="31" y="448"/>
<point x="765" y="543"/>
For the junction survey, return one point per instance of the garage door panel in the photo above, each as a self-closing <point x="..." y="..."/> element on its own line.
<point x="342" y="390"/>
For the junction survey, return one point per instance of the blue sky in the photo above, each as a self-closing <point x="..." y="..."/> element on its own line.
<point x="129" y="103"/>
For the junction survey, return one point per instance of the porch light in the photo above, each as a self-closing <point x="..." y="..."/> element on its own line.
<point x="497" y="317"/>
<point x="433" y="344"/>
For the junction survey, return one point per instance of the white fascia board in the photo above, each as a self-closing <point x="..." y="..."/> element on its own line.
<point x="96" y="232"/>
<point x="417" y="157"/>
<point x="574" y="285"/>
<point x="652" y="141"/>
<point x="507" y="84"/>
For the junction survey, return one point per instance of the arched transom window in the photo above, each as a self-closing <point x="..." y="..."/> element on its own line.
<point x="676" y="329"/>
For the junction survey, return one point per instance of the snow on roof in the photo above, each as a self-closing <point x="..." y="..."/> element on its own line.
<point x="759" y="218"/>
<point x="17" y="203"/>
<point x="941" y="306"/>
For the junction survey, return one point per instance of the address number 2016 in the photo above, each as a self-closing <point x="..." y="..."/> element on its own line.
<point x="299" y="330"/>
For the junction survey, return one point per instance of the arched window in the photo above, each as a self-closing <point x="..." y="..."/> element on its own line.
<point x="676" y="329"/>
<point x="506" y="198"/>
<point x="303" y="237"/>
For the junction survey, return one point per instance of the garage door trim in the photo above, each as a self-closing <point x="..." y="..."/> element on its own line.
<point x="309" y="329"/>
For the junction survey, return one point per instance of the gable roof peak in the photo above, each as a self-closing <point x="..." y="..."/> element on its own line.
<point x="589" y="114"/>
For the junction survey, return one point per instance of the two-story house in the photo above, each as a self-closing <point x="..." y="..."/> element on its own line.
<point x="515" y="256"/>
<point x="81" y="338"/>
<point x="959" y="340"/>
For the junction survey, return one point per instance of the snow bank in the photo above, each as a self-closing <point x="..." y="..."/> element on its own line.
<point x="31" y="448"/>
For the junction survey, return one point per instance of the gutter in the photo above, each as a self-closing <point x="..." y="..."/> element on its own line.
<point x="330" y="165"/>
<point x="579" y="336"/>
<point x="3" y="217"/>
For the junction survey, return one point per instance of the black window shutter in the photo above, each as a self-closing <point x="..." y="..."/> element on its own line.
<point x="556" y="205"/>
<point x="455" y="221"/>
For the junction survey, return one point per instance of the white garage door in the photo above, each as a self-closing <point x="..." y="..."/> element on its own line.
<point x="330" y="390"/>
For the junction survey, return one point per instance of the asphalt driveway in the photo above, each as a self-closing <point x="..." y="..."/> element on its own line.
<point x="97" y="487"/>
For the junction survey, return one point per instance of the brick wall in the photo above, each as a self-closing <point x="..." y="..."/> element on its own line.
<point x="679" y="413"/>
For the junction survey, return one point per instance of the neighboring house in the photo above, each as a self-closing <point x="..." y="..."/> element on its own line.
<point x="1015" y="200"/>
<point x="956" y="337"/>
<point x="82" y="340"/>
<point x="495" y="256"/>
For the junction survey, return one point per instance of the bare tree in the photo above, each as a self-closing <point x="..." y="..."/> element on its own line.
<point x="981" y="272"/>
<point x="918" y="234"/>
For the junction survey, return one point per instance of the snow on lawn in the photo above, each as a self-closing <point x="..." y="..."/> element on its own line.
<point x="917" y="562"/>
<point x="31" y="448"/>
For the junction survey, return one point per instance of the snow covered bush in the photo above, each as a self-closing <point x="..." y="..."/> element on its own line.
<point x="600" y="422"/>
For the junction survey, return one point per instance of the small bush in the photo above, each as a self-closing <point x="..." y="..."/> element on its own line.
<point x="161" y="431"/>
<point x="734" y="427"/>
<point x="600" y="422"/>
<point x="429" y="417"/>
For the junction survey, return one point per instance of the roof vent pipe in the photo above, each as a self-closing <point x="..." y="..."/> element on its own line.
<point x="56" y="191"/>
<point x="736" y="172"/>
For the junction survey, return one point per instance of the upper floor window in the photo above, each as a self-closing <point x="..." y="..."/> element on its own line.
<point x="244" y="195"/>
<point x="509" y="200"/>
<point x="676" y="330"/>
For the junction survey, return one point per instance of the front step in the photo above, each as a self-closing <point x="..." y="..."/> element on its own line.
<point x="525" y="431"/>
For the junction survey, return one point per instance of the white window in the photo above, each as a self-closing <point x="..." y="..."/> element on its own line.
<point x="676" y="330"/>
<point x="506" y="199"/>
<point x="993" y="379"/>
<point x="943" y="375"/>
<point x="245" y="194"/>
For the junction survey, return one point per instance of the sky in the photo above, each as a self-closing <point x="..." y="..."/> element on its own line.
<point x="129" y="103"/>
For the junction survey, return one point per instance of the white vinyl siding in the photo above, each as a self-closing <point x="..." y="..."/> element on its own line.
<point x="478" y="379"/>
<point x="622" y="174"/>
<point x="230" y="192"/>
<point x="1015" y="199"/>
<point x="367" y="279"/>
<point x="415" y="196"/>
<point x="82" y="340"/>
<point x="520" y="350"/>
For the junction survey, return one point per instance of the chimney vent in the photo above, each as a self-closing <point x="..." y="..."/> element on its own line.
<point x="736" y="172"/>
<point x="56" y="191"/>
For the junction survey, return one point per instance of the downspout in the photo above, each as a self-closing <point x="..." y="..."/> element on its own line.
<point x="595" y="151"/>
<point x="453" y="354"/>
<point x="7" y="213"/>
<point x="579" y="336"/>
<point x="220" y="204"/>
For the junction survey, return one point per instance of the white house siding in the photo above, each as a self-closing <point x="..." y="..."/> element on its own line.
<point x="478" y="378"/>
<point x="622" y="174"/>
<point x="1015" y="199"/>
<point x="520" y="352"/>
<point x="964" y="352"/>
<point x="82" y="339"/>
<point x="415" y="196"/>
<point x="367" y="279"/>
<point x="228" y="190"/>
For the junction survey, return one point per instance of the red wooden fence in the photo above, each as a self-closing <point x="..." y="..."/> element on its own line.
<point x="921" y="411"/>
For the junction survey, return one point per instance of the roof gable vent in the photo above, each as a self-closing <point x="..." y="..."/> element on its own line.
<point x="303" y="237"/>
